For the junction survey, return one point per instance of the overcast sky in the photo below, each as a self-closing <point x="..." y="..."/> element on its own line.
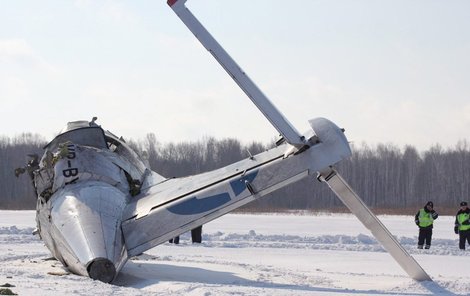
<point x="387" y="71"/>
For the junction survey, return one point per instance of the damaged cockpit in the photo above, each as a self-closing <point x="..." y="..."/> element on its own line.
<point x="84" y="181"/>
<point x="83" y="151"/>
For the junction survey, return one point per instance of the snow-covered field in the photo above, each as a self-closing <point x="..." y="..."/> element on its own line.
<point x="251" y="255"/>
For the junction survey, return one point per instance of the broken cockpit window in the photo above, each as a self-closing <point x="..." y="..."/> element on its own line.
<point x="84" y="136"/>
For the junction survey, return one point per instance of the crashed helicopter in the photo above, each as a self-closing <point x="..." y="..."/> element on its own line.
<point x="99" y="204"/>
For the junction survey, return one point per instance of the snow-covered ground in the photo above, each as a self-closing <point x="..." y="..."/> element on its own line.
<point x="245" y="254"/>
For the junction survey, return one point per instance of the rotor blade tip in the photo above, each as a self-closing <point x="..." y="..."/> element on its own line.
<point x="171" y="2"/>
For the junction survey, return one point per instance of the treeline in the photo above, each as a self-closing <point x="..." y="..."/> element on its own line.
<point x="385" y="176"/>
<point x="18" y="193"/>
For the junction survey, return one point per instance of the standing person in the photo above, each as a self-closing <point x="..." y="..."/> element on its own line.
<point x="462" y="225"/>
<point x="196" y="234"/>
<point x="175" y="240"/>
<point x="424" y="219"/>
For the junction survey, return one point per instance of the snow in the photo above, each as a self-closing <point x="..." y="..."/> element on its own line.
<point x="251" y="254"/>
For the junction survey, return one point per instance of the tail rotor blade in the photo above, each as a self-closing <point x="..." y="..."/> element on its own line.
<point x="355" y="204"/>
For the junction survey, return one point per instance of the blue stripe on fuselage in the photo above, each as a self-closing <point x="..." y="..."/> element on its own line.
<point x="197" y="206"/>
<point x="239" y="185"/>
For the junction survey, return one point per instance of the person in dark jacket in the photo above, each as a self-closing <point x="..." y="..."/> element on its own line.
<point x="196" y="234"/>
<point x="425" y="219"/>
<point x="175" y="240"/>
<point x="462" y="225"/>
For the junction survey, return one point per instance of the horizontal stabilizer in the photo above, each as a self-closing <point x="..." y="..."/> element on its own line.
<point x="282" y="125"/>
<point x="380" y="232"/>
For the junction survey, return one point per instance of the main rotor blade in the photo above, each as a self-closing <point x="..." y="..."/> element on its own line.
<point x="355" y="204"/>
<point x="282" y="125"/>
